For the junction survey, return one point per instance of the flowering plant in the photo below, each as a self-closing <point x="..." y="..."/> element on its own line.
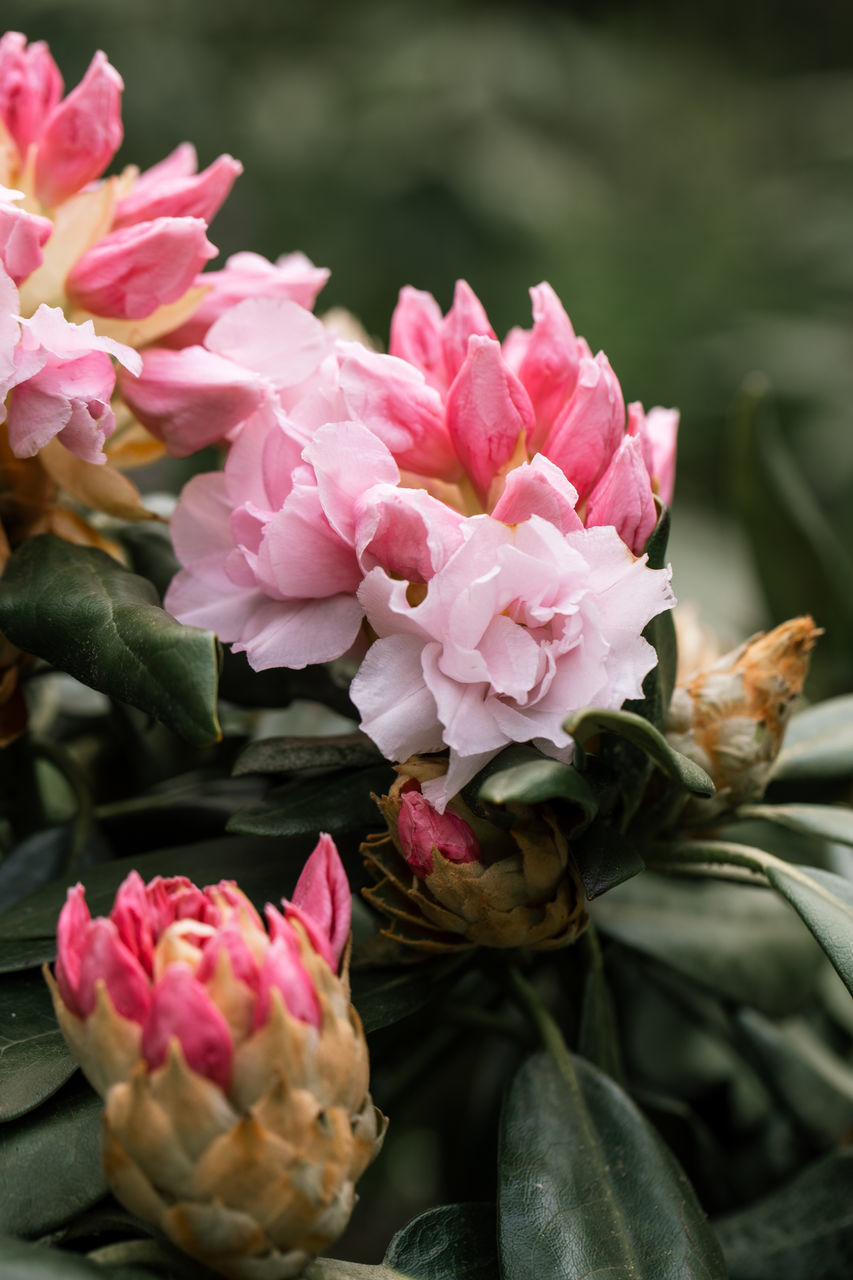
<point x="588" y="906"/>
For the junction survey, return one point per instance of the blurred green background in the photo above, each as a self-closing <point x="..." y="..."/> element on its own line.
<point x="682" y="175"/>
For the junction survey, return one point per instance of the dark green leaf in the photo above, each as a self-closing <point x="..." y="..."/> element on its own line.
<point x="25" y="953"/>
<point x="265" y="869"/>
<point x="605" y="858"/>
<point x="34" y="1061"/>
<point x="825" y="902"/>
<point x="803" y="1229"/>
<point x="598" y="1036"/>
<point x="336" y="802"/>
<point x="537" y="781"/>
<point x="455" y="1242"/>
<point x="81" y="611"/>
<point x="50" y="1166"/>
<point x="294" y="755"/>
<point x="735" y="939"/>
<point x="818" y="743"/>
<point x="20" y="1260"/>
<point x="386" y="995"/>
<point x="586" y="1187"/>
<point x="626" y="724"/>
<point x="828" y="821"/>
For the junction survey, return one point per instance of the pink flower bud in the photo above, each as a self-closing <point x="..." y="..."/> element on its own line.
<point x="416" y="327"/>
<point x="465" y="319"/>
<point x="161" y="192"/>
<point x="22" y="235"/>
<point x="81" y="135"/>
<point x="322" y="901"/>
<point x="623" y="497"/>
<point x="587" y="433"/>
<point x="423" y="832"/>
<point x="182" y="1010"/>
<point x="30" y="88"/>
<point x="130" y="273"/>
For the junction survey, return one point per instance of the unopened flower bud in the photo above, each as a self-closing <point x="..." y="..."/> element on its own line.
<point x="233" y="1068"/>
<point x="81" y="135"/>
<point x="449" y="881"/>
<point x="730" y="716"/>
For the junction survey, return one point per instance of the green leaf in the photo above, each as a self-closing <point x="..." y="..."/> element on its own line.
<point x="626" y="724"/>
<point x="264" y="868"/>
<point x="818" y="743"/>
<point x="825" y="902"/>
<point x="34" y="1061"/>
<point x="803" y="1229"/>
<point x="20" y="1260"/>
<point x="81" y="611"/>
<point x="25" y="953"/>
<point x="295" y="755"/>
<point x="454" y="1242"/>
<point x="604" y="858"/>
<point x="747" y="947"/>
<point x="828" y="821"/>
<point x="334" y="803"/>
<point x="386" y="995"/>
<point x="598" y="1035"/>
<point x="586" y="1187"/>
<point x="50" y="1166"/>
<point x="537" y="781"/>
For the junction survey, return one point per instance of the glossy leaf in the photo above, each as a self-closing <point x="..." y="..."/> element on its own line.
<point x="34" y="1061"/>
<point x="605" y="858"/>
<point x="747" y="947"/>
<point x="25" y="953"/>
<point x="385" y="995"/>
<point x="825" y="902"/>
<point x="334" y="803"/>
<point x="818" y="743"/>
<point x="639" y="731"/>
<point x="537" y="781"/>
<point x="50" y="1166"/>
<point x="295" y="755"/>
<point x="454" y="1242"/>
<point x="827" y="821"/>
<point x="803" y="1229"/>
<point x="84" y="613"/>
<point x="586" y="1187"/>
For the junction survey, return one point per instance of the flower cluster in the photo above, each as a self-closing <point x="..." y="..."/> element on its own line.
<point x="233" y="1067"/>
<point x="476" y="510"/>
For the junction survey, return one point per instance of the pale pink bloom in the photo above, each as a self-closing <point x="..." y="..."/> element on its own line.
<point x="173" y="189"/>
<point x="61" y="386"/>
<point x="521" y="626"/>
<point x="30" y="88"/>
<point x="657" y="431"/>
<point x="159" y="957"/>
<point x="422" y="830"/>
<point x="22" y="236"/>
<point x="131" y="272"/>
<point x="80" y="136"/>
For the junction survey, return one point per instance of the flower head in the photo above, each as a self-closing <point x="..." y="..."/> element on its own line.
<point x="233" y="1068"/>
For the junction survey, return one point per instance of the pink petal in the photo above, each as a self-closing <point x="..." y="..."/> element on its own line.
<point x="397" y="709"/>
<point x="538" y="488"/>
<point x="393" y="401"/>
<point x="182" y="1009"/>
<point x="71" y="931"/>
<point x="416" y="329"/>
<point x="190" y="398"/>
<point x="283" y="970"/>
<point x="549" y="366"/>
<point x="133" y="919"/>
<point x="69" y="399"/>
<point x="81" y="135"/>
<point x="623" y="497"/>
<point x="106" y="957"/>
<point x="243" y="963"/>
<point x="49" y="332"/>
<point x="422" y="829"/>
<point x="465" y="317"/>
<point x="274" y="337"/>
<point x="298" y="633"/>
<point x="406" y="531"/>
<point x="129" y="273"/>
<point x="22" y="235"/>
<point x="322" y="895"/>
<point x="30" y="88"/>
<point x="163" y="193"/>
<point x="587" y="433"/>
<point x="301" y="555"/>
<point x="347" y="459"/>
<point x="488" y="412"/>
<point x="658" y="431"/>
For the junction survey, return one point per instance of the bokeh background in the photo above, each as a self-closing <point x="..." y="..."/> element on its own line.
<point x="683" y="176"/>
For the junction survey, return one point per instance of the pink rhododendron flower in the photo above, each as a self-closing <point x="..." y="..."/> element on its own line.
<point x="22" y="236"/>
<point x="232" y="1065"/>
<point x="422" y="831"/>
<point x="522" y="625"/>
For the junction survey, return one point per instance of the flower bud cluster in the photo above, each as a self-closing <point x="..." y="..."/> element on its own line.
<point x="232" y="1065"/>
<point x="449" y="881"/>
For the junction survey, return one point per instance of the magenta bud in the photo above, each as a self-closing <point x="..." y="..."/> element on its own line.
<point x="81" y="136"/>
<point x="423" y="831"/>
<point x="30" y="88"/>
